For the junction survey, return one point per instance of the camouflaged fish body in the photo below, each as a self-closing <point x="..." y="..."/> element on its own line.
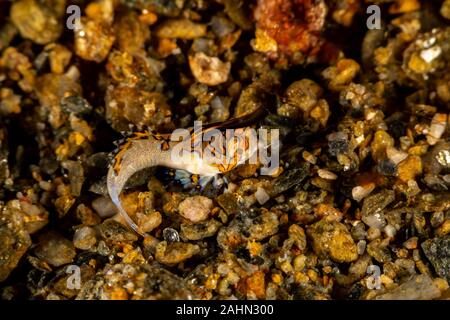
<point x="137" y="153"/>
<point x="147" y="149"/>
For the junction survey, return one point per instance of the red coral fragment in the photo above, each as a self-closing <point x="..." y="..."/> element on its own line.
<point x="295" y="25"/>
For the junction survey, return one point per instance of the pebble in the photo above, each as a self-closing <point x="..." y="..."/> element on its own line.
<point x="337" y="143"/>
<point x="209" y="70"/>
<point x="378" y="249"/>
<point x="321" y="112"/>
<point x="360" y="192"/>
<point x="326" y="174"/>
<point x="359" y="231"/>
<point x="437" y="128"/>
<point x="443" y="157"/>
<point x="387" y="167"/>
<point x="411" y="243"/>
<point x="373" y="233"/>
<point x="437" y="218"/>
<point x="304" y="94"/>
<point x="143" y="281"/>
<point x="199" y="230"/>
<point x="54" y="249"/>
<point x="114" y="231"/>
<point x="221" y="26"/>
<point x="342" y="74"/>
<point x="261" y="195"/>
<point x="101" y="10"/>
<point x="298" y="236"/>
<point x="390" y="231"/>
<point x="10" y="102"/>
<point x="437" y="251"/>
<point x="418" y="287"/>
<point x="59" y="57"/>
<point x="413" y="188"/>
<point x="328" y="212"/>
<point x="373" y="206"/>
<point x="195" y="208"/>
<point x="34" y="216"/>
<point x="136" y="105"/>
<point x="181" y="29"/>
<point x="14" y="238"/>
<point x="256" y="284"/>
<point x="37" y="21"/>
<point x="395" y="155"/>
<point x="50" y="89"/>
<point x="132" y="33"/>
<point x="84" y="238"/>
<point x="104" y="207"/>
<point x="87" y="216"/>
<point x="247" y="226"/>
<point x="309" y="157"/>
<point x="171" y="235"/>
<point x="175" y="252"/>
<point x="75" y="104"/>
<point x="381" y="141"/>
<point x="150" y="221"/>
<point x="93" y="40"/>
<point x="361" y="247"/>
<point x="445" y="9"/>
<point x="263" y="42"/>
<point x="410" y="168"/>
<point x="333" y="239"/>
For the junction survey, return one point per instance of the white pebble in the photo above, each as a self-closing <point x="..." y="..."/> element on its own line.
<point x="209" y="70"/>
<point x="84" y="238"/>
<point x="361" y="246"/>
<point x="196" y="208"/>
<point x="390" y="230"/>
<point x="360" y="192"/>
<point x="428" y="55"/>
<point x="396" y="156"/>
<point x="104" y="207"/>
<point x="437" y="128"/>
<point x="261" y="195"/>
<point x="326" y="174"/>
<point x="375" y="220"/>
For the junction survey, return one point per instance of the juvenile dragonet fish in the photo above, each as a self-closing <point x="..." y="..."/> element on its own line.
<point x="189" y="152"/>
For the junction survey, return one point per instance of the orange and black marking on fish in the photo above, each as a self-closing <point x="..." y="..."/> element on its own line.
<point x="141" y="135"/>
<point x="164" y="141"/>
